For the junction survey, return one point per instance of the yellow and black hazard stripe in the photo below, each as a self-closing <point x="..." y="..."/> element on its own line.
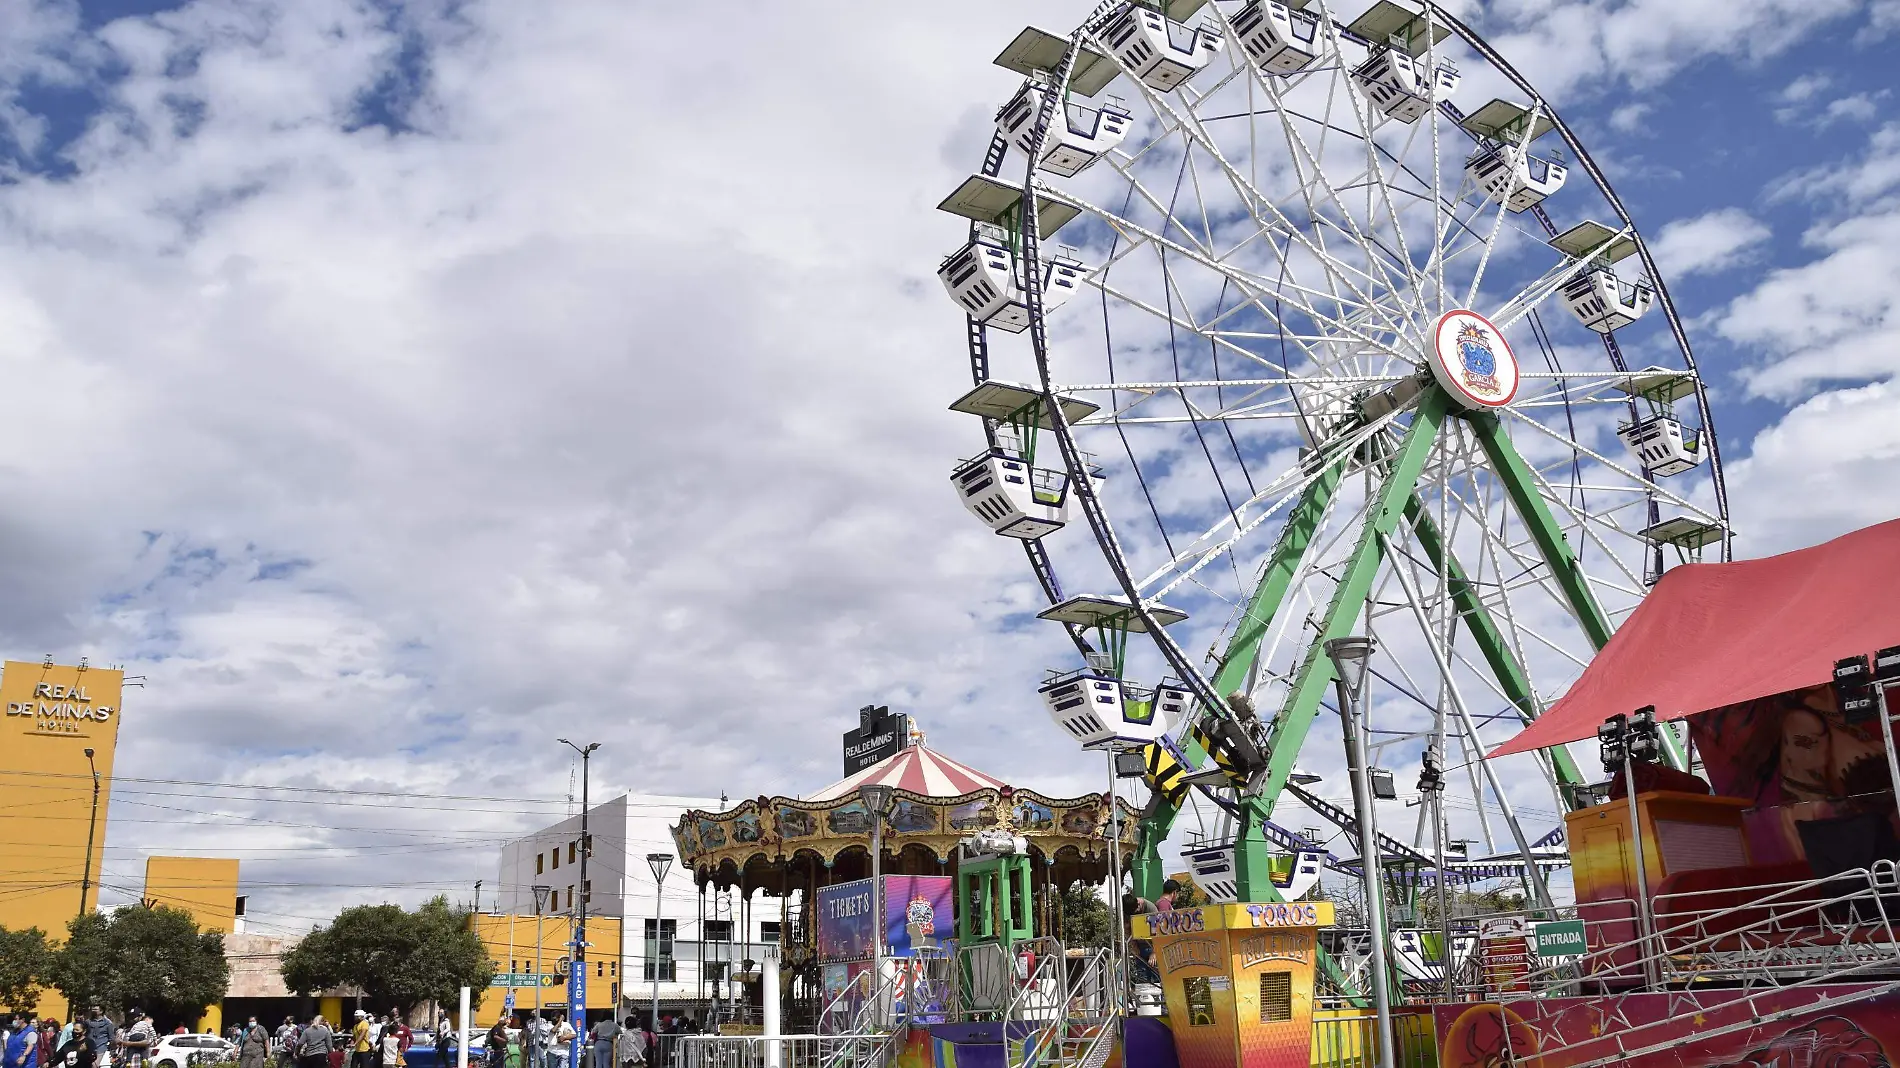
<point x="1167" y="773"/>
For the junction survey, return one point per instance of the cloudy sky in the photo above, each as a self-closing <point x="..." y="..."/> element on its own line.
<point x="397" y="387"/>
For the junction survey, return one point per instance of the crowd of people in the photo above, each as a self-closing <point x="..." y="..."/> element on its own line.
<point x="96" y="1041"/>
<point x="89" y="1041"/>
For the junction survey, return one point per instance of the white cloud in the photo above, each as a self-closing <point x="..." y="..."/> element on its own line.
<point x="1830" y="318"/>
<point x="1708" y="243"/>
<point x="1821" y="470"/>
<point x="1570" y="46"/>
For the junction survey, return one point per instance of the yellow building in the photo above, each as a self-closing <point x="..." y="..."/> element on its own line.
<point x="205" y="887"/>
<point x="536" y="978"/>
<point x="61" y="726"/>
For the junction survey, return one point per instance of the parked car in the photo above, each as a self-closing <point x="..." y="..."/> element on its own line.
<point x="186" y="1051"/>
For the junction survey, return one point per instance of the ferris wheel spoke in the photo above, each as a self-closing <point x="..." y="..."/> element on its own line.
<point x="1256" y="289"/>
<point x="1192" y="130"/>
<point x="1456" y="699"/>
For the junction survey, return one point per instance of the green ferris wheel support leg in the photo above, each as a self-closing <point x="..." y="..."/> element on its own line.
<point x="1242" y="649"/>
<point x="1315" y="674"/>
<point x="1521" y="486"/>
<point x="1485" y="634"/>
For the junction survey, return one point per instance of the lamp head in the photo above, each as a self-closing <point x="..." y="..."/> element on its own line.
<point x="88" y="754"/>
<point x="541" y="898"/>
<point x="660" y="864"/>
<point x="878" y="798"/>
<point x="1350" y="656"/>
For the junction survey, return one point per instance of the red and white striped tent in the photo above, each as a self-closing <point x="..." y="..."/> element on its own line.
<point x="919" y="769"/>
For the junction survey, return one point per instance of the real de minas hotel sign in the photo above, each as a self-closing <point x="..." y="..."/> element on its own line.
<point x="879" y="736"/>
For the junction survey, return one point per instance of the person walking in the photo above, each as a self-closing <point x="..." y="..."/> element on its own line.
<point x="49" y="1040"/>
<point x="74" y="1051"/>
<point x="23" y="1044"/>
<point x="605" y="1032"/>
<point x="254" y="1047"/>
<point x="391" y="1043"/>
<point x="563" y="1042"/>
<point x="286" y="1043"/>
<point x="313" y="1046"/>
<point x="633" y="1043"/>
<point x="140" y="1036"/>
<point x="360" y="1044"/>
<point x="99" y="1037"/>
<point x="498" y="1044"/>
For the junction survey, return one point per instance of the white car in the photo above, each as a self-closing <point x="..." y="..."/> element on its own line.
<point x="184" y="1051"/>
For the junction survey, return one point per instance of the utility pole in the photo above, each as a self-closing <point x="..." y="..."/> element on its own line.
<point x="577" y="968"/>
<point x="92" y="827"/>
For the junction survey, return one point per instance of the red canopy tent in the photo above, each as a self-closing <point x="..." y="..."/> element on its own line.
<point x="1710" y="635"/>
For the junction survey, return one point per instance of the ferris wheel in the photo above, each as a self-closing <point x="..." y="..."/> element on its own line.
<point x="1292" y="321"/>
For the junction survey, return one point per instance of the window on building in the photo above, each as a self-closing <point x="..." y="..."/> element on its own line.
<point x="718" y="930"/>
<point x="613" y="969"/>
<point x="587" y="892"/>
<point x="768" y="932"/>
<point x="663" y="955"/>
<point x="1276" y="997"/>
<point x="571" y="848"/>
<point x="600" y="969"/>
<point x="556" y="854"/>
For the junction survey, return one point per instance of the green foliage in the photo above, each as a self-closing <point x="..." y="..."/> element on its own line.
<point x="25" y="960"/>
<point x="396" y="958"/>
<point x="153" y="958"/>
<point x="1086" y="920"/>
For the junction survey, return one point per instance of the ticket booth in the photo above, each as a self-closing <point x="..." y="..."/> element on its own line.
<point x="1238" y="981"/>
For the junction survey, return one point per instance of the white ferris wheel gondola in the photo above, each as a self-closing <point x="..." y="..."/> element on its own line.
<point x="985" y="276"/>
<point x="1279" y="38"/>
<point x="1401" y="75"/>
<point x="1097" y="706"/>
<point x="1504" y="167"/>
<point x="1002" y="485"/>
<point x="1597" y="295"/>
<point x="1159" y="51"/>
<point x="1080" y="136"/>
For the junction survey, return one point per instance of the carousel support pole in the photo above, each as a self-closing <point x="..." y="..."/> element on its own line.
<point x="768" y="984"/>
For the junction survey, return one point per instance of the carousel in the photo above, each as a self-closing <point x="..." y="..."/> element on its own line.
<point x="792" y="848"/>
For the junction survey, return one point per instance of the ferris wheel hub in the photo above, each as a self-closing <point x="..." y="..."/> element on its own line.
<point x="1471" y="360"/>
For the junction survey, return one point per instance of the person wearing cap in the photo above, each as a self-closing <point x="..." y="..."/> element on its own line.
<point x="360" y="1041"/>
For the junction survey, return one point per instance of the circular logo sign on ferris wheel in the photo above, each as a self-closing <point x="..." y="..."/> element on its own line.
<point x="1471" y="359"/>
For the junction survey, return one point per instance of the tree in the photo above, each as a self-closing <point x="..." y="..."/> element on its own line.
<point x="153" y="958"/>
<point x="396" y="958"/>
<point x="1085" y="917"/>
<point x="24" y="962"/>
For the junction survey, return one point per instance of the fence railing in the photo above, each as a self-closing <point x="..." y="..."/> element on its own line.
<point x="1351" y="1041"/>
<point x="786" y="1051"/>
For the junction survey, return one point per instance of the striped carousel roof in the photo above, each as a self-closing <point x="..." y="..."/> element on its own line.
<point x="919" y="769"/>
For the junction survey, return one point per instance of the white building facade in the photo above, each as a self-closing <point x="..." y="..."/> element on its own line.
<point x="701" y="941"/>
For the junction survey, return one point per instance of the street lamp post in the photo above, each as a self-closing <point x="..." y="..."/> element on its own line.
<point x="1350" y="656"/>
<point x="540" y="904"/>
<point x="92" y="826"/>
<point x="577" y="967"/>
<point x="878" y="800"/>
<point x="659" y="864"/>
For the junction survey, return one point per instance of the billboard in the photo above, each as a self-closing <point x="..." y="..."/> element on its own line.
<point x="847" y="921"/>
<point x="917" y="912"/>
